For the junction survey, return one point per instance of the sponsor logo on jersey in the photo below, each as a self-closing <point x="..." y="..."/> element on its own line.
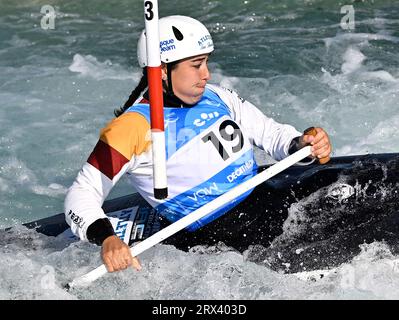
<point x="76" y="219"/>
<point x="205" y="117"/>
<point x="201" y="193"/>
<point x="240" y="170"/>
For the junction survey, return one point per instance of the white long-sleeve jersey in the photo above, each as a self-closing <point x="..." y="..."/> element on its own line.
<point x="193" y="165"/>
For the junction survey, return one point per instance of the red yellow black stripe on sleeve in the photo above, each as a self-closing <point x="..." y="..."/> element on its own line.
<point x="123" y="138"/>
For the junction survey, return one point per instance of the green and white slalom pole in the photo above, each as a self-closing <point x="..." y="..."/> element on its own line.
<point x="154" y="75"/>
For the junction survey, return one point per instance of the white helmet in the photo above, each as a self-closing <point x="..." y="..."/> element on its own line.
<point x="180" y="37"/>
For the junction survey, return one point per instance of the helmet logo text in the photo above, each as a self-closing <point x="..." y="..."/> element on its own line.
<point x="205" y="41"/>
<point x="167" y="45"/>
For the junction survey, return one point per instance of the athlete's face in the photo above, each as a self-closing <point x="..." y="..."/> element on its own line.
<point x="189" y="78"/>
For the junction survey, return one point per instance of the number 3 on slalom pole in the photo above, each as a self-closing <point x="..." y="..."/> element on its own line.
<point x="149" y="14"/>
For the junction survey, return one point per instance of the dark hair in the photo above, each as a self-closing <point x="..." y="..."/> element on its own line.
<point x="143" y="84"/>
<point x="134" y="95"/>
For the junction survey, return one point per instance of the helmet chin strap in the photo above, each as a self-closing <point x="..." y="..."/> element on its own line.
<point x="169" y="89"/>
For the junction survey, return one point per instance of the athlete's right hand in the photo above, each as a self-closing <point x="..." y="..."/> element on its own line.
<point x="116" y="255"/>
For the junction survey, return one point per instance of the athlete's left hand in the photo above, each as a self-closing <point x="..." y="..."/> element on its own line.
<point x="321" y="146"/>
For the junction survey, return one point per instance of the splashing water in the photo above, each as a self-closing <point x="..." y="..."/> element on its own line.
<point x="292" y="59"/>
